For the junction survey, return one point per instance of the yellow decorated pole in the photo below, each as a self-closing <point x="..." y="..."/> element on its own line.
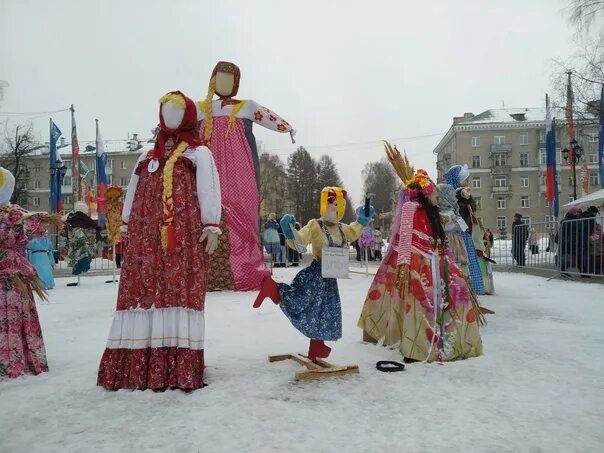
<point x="114" y="219"/>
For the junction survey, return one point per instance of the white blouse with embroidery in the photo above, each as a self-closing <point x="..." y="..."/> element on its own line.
<point x="208" y="186"/>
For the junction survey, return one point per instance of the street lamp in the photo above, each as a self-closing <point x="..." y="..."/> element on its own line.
<point x="573" y="156"/>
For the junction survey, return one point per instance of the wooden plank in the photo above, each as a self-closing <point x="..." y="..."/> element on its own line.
<point x="279" y="358"/>
<point x="304" y="361"/>
<point x="326" y="373"/>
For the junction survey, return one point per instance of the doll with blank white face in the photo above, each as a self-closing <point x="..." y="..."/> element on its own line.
<point x="171" y="217"/>
<point x="226" y="128"/>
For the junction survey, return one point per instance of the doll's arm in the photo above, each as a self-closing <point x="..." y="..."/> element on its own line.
<point x="131" y="190"/>
<point x="208" y="189"/>
<point x="265" y="118"/>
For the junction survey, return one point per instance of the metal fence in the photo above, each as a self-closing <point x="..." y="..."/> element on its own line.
<point x="574" y="247"/>
<point x="102" y="261"/>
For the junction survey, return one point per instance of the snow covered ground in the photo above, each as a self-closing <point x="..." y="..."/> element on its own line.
<point x="538" y="388"/>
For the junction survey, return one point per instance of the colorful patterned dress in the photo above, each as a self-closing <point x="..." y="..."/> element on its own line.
<point x="21" y="343"/>
<point x="311" y="302"/>
<point x="420" y="301"/>
<point x="156" y="340"/>
<point x="40" y="255"/>
<point x="239" y="262"/>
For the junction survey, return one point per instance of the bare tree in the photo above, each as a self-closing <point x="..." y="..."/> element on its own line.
<point x="583" y="13"/>
<point x="587" y="69"/>
<point x="383" y="183"/>
<point x="17" y="144"/>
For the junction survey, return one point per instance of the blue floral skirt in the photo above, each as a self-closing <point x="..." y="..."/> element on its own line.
<point x="312" y="304"/>
<point x="473" y="266"/>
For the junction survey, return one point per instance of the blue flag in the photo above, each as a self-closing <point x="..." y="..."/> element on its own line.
<point x="56" y="163"/>
<point x="601" y="140"/>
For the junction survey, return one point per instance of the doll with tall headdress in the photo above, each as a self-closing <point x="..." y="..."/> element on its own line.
<point x="226" y="128"/>
<point x="312" y="302"/>
<point x="458" y="177"/>
<point x="422" y="304"/>
<point x="21" y="344"/>
<point x="171" y="215"/>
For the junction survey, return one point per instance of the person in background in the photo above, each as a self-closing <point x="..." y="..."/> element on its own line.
<point x="533" y="243"/>
<point x="270" y="237"/>
<point x="293" y="256"/>
<point x="379" y="242"/>
<point x="488" y="242"/>
<point x="519" y="237"/>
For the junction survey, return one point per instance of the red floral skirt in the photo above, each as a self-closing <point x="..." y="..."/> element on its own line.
<point x="156" y="338"/>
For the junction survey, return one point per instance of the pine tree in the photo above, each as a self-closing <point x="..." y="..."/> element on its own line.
<point x="301" y="185"/>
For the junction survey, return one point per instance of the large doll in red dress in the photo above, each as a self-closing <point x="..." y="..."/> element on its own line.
<point x="172" y="209"/>
<point x="227" y="130"/>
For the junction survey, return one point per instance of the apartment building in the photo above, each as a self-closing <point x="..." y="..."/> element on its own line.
<point x="121" y="158"/>
<point x="505" y="151"/>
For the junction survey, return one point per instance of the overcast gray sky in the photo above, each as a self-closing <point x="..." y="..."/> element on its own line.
<point x="342" y="72"/>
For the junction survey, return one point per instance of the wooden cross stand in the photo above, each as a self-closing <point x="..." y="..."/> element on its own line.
<point x="315" y="370"/>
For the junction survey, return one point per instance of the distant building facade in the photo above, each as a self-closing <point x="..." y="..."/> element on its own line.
<point x="122" y="155"/>
<point x="505" y="152"/>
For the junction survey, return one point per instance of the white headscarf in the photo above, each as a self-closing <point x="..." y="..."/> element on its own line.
<point x="7" y="186"/>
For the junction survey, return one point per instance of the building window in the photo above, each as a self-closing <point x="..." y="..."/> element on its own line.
<point x="476" y="182"/>
<point x="549" y="221"/>
<point x="593" y="158"/>
<point x="123" y="181"/>
<point x="524" y="201"/>
<point x="594" y="179"/>
<point x="37" y="168"/>
<point x="22" y="185"/>
<point x="67" y="199"/>
<point x="36" y="201"/>
<point x="109" y="179"/>
<point x="478" y="201"/>
<point x="501" y="181"/>
<point x="526" y="220"/>
<point x="541" y="136"/>
<point x="542" y="156"/>
<point x="570" y="181"/>
<point x="67" y="164"/>
<point x="475" y="161"/>
<point x="593" y="138"/>
<point x="524" y="139"/>
<point x="524" y="181"/>
<point x="475" y="142"/>
<point x="524" y="160"/>
<point x="571" y="198"/>
<point x="547" y="203"/>
<point x="499" y="140"/>
<point x="501" y="203"/>
<point x="502" y="222"/>
<point x="37" y="184"/>
<point x="109" y="163"/>
<point x="500" y="159"/>
<point x="67" y="180"/>
<point x="123" y="164"/>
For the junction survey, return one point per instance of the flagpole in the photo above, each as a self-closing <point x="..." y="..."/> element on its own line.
<point x="75" y="159"/>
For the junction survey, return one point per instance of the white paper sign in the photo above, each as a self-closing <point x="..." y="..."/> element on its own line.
<point x="334" y="262"/>
<point x="462" y="224"/>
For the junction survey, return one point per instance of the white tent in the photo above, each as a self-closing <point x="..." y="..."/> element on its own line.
<point x="593" y="199"/>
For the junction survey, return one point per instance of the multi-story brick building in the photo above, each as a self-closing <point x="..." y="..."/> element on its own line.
<point x="121" y="158"/>
<point x="505" y="151"/>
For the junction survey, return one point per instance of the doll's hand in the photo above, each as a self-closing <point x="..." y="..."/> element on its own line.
<point x="466" y="193"/>
<point x="210" y="234"/>
<point x="288" y="221"/>
<point x="361" y="216"/>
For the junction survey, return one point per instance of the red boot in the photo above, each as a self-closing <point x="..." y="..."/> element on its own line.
<point x="318" y="350"/>
<point x="270" y="289"/>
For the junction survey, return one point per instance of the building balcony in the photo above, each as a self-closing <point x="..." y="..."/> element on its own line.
<point x="501" y="190"/>
<point x="504" y="148"/>
<point x="501" y="169"/>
